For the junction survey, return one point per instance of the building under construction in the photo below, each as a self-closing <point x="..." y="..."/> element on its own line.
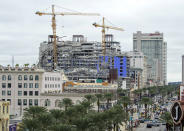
<point x="80" y="58"/>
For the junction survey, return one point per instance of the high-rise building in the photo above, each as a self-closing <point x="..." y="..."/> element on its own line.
<point x="155" y="49"/>
<point x="182" y="69"/>
<point x="138" y="65"/>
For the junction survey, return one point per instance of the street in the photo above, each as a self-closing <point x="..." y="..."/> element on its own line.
<point x="143" y="127"/>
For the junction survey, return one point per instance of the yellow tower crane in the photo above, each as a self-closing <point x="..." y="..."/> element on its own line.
<point x="53" y="14"/>
<point x="103" y="26"/>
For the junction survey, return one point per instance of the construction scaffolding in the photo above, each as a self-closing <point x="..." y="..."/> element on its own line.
<point x="78" y="58"/>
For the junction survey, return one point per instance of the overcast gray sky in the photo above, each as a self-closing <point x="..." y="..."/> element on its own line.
<point x="21" y="31"/>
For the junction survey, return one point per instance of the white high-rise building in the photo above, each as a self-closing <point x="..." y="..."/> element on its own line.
<point x="155" y="49"/>
<point x="138" y="64"/>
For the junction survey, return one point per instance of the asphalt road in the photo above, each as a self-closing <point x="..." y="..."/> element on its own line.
<point x="142" y="127"/>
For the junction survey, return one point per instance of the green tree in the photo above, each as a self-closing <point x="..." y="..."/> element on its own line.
<point x="99" y="97"/>
<point x="66" y="102"/>
<point x="57" y="115"/>
<point x="146" y="101"/>
<point x="31" y="117"/>
<point x="166" y="117"/>
<point x="45" y="121"/>
<point x="108" y="97"/>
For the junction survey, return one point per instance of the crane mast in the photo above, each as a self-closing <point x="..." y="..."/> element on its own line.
<point x="54" y="36"/>
<point x="103" y="37"/>
<point x="103" y="26"/>
<point x="53" y="14"/>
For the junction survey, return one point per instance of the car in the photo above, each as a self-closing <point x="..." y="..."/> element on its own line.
<point x="155" y="124"/>
<point x="149" y="125"/>
<point x="141" y="120"/>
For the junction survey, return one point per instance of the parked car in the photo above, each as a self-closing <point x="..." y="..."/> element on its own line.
<point x="155" y="124"/>
<point x="141" y="120"/>
<point x="149" y="125"/>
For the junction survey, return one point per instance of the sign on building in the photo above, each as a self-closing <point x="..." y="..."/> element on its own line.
<point x="176" y="113"/>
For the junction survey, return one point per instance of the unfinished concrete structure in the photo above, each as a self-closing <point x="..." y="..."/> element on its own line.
<point x="78" y="58"/>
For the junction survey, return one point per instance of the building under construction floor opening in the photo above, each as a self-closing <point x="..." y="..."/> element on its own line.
<point x="78" y="58"/>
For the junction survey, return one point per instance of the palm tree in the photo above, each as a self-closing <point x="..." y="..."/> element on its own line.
<point x="125" y="100"/>
<point x="30" y="119"/>
<point x="34" y="112"/>
<point x="61" y="127"/>
<point x="99" y="97"/>
<point x="26" y="65"/>
<point x="87" y="105"/>
<point x="167" y="118"/>
<point x="45" y="121"/>
<point x="57" y="115"/>
<point x="108" y="97"/>
<point x="66" y="102"/>
<point x="29" y="124"/>
<point x="146" y="101"/>
<point x="118" y="115"/>
<point x="88" y="97"/>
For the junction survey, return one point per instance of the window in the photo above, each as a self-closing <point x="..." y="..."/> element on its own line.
<point x="25" y="93"/>
<point x="30" y="102"/>
<point x="19" y="102"/>
<point x="36" y="102"/>
<point x="30" y="85"/>
<point x="47" y="102"/>
<point x="9" y="93"/>
<point x="9" y="85"/>
<point x="3" y="85"/>
<point x="19" y="85"/>
<point x="25" y="77"/>
<point x="7" y="110"/>
<point x="19" y="93"/>
<point x="3" y="109"/>
<point x="25" y="85"/>
<point x="36" y="77"/>
<point x="36" y="85"/>
<point x="30" y="93"/>
<point x="9" y="100"/>
<point x="9" y="77"/>
<point x="19" y="77"/>
<point x="52" y="78"/>
<point x="45" y="78"/>
<point x="45" y="85"/>
<point x="58" y="85"/>
<point x="58" y="79"/>
<point x="31" y="77"/>
<point x="3" y="77"/>
<point x="3" y="93"/>
<point x="55" y="79"/>
<point x="25" y="102"/>
<point x="55" y="85"/>
<point x="36" y="93"/>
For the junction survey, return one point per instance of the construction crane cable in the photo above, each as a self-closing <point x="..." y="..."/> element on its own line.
<point x="109" y="22"/>
<point x="67" y="9"/>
